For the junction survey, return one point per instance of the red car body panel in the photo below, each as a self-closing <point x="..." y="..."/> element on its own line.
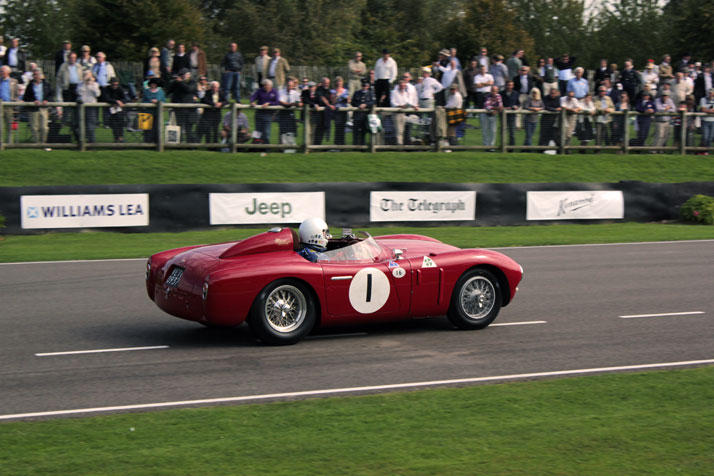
<point x="233" y="274"/>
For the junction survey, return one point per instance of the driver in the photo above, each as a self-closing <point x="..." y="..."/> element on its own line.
<point x="313" y="238"/>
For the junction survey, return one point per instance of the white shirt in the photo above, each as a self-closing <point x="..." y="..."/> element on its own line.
<point x="413" y="96"/>
<point x="571" y="103"/>
<point x="483" y="78"/>
<point x="428" y="87"/>
<point x="289" y="96"/>
<point x="401" y="98"/>
<point x="386" y="69"/>
<point x="448" y="75"/>
<point x="455" y="100"/>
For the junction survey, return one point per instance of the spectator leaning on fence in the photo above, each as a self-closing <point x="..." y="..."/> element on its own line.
<point x="401" y="98"/>
<point x="534" y="103"/>
<point x="88" y="92"/>
<point x="210" y="121"/>
<point x="363" y="100"/>
<point x="289" y="98"/>
<point x="232" y="68"/>
<point x="493" y="105"/>
<point x="183" y="90"/>
<point x="706" y="105"/>
<point x="116" y="96"/>
<point x="263" y="97"/>
<point x="39" y="93"/>
<point x="511" y="101"/>
<point x="153" y="94"/>
<point x="603" y="108"/>
<point x="663" y="104"/>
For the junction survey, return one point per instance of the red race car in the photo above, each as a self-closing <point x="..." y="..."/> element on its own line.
<point x="359" y="278"/>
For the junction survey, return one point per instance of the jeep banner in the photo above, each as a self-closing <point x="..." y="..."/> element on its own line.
<point x="457" y="205"/>
<point x="84" y="211"/>
<point x="580" y="205"/>
<point x="266" y="208"/>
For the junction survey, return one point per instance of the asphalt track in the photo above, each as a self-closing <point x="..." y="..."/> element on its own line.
<point x="566" y="316"/>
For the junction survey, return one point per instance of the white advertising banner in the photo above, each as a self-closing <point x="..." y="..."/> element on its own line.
<point x="456" y="205"/>
<point x="247" y="208"/>
<point x="580" y="205"/>
<point x="84" y="211"/>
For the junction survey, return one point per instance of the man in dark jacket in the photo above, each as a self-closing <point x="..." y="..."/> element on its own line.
<point x="116" y="96"/>
<point x="15" y="58"/>
<point x="364" y="100"/>
<point x="232" y="66"/>
<point x="183" y="91"/>
<point x="210" y="120"/>
<point x="630" y="79"/>
<point x="38" y="92"/>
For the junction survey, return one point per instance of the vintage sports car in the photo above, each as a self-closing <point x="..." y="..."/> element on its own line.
<point x="360" y="278"/>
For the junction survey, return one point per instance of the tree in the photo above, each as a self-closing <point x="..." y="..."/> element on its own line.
<point x="692" y="23"/>
<point x="556" y="26"/>
<point x="41" y="25"/>
<point x="489" y="23"/>
<point x="634" y="29"/>
<point x="126" y="29"/>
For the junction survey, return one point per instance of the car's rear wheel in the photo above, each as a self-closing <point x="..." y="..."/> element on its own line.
<point x="283" y="313"/>
<point x="476" y="300"/>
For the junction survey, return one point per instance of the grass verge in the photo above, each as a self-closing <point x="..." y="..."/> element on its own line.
<point x="104" y="245"/>
<point x="655" y="423"/>
<point x="67" y="167"/>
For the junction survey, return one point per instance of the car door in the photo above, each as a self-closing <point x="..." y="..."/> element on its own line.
<point x="428" y="286"/>
<point x="368" y="289"/>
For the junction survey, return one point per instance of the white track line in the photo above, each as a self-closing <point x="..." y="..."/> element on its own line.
<point x="666" y="314"/>
<point x="337" y="391"/>
<point x="99" y="351"/>
<point x="493" y="248"/>
<point x="523" y="323"/>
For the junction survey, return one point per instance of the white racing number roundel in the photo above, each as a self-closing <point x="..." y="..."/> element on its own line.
<point x="369" y="290"/>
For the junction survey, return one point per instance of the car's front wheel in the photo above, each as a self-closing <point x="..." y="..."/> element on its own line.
<point x="283" y="313"/>
<point x="476" y="300"/>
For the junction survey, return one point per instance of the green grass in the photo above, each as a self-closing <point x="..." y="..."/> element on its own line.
<point x="101" y="245"/>
<point x="66" y="167"/>
<point x="656" y="423"/>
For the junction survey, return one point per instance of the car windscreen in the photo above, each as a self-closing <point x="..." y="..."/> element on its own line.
<point x="366" y="249"/>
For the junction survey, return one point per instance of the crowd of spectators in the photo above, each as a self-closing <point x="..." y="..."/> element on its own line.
<point x="487" y="82"/>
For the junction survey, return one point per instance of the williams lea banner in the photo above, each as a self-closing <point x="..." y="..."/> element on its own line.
<point x="579" y="205"/>
<point x="84" y="211"/>
<point x="455" y="205"/>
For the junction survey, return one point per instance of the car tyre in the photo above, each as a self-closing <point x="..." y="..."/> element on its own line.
<point x="283" y="313"/>
<point x="476" y="300"/>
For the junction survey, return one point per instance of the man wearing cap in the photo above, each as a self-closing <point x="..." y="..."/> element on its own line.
<point x="103" y="70"/>
<point x="86" y="59"/>
<point x="663" y="104"/>
<point x="650" y="77"/>
<point x="261" y="64"/>
<point x="358" y="70"/>
<point x="427" y="88"/>
<point x="363" y="100"/>
<point x="183" y="90"/>
<point x="385" y="73"/>
<point x="278" y="69"/>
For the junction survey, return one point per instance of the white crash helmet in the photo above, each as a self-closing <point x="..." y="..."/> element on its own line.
<point x="314" y="231"/>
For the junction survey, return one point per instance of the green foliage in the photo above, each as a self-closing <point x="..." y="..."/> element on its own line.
<point x="489" y="23"/>
<point x="41" y="25"/>
<point x="693" y="22"/>
<point x="126" y="29"/>
<point x="698" y="209"/>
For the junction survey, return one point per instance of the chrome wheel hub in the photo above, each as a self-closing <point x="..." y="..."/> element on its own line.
<point x="285" y="308"/>
<point x="477" y="297"/>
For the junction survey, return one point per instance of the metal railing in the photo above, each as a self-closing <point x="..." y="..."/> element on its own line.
<point x="166" y="126"/>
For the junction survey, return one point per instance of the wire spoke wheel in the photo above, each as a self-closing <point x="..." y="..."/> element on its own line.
<point x="285" y="308"/>
<point x="477" y="297"/>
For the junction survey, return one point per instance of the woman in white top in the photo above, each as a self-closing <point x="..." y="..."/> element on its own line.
<point x="88" y="92"/>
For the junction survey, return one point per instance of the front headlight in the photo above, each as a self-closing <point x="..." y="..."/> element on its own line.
<point x="204" y="293"/>
<point x="148" y="269"/>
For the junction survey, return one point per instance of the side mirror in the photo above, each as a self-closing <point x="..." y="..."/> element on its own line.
<point x="397" y="253"/>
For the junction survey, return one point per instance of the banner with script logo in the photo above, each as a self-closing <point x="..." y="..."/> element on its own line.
<point x="247" y="208"/>
<point x="455" y="205"/>
<point x="580" y="205"/>
<point x="84" y="211"/>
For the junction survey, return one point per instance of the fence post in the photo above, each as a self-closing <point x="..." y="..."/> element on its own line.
<point x="562" y="132"/>
<point x="82" y="128"/>
<point x="626" y="131"/>
<point x="234" y="127"/>
<point x="504" y="131"/>
<point x="2" y="126"/>
<point x="160" y="126"/>
<point x="683" y="133"/>
<point x="306" y="128"/>
<point x="372" y="135"/>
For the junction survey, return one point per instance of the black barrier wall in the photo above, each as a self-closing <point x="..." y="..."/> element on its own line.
<point x="186" y="207"/>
